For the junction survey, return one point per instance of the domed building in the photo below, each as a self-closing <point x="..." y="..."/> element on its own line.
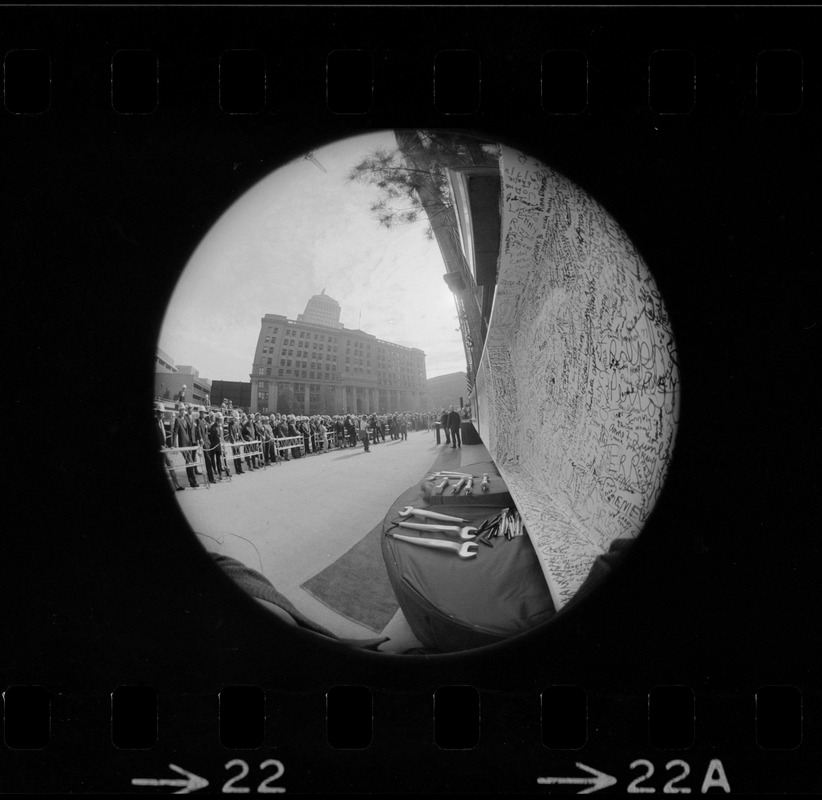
<point x="315" y="365"/>
<point x="321" y="310"/>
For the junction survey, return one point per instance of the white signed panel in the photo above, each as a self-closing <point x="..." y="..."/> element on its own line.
<point x="581" y="390"/>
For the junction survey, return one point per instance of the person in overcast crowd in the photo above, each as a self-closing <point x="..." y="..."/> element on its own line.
<point x="201" y="438"/>
<point x="247" y="432"/>
<point x="215" y="437"/>
<point x="444" y="425"/>
<point x="181" y="437"/>
<point x="454" y="427"/>
<point x="364" y="433"/>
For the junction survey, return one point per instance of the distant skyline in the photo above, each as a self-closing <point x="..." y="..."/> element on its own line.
<point x="302" y="229"/>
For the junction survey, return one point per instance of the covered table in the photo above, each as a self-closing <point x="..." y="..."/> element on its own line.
<point x="468" y="433"/>
<point x="456" y="604"/>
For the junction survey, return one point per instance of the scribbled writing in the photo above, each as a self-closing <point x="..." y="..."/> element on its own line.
<point x="580" y="379"/>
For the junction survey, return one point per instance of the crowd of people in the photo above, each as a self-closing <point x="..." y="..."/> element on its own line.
<point x="250" y="441"/>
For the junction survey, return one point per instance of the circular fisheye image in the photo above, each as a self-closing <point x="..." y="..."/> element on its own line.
<point x="416" y="391"/>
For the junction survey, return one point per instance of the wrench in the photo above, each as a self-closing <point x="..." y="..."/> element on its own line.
<point x="441" y="487"/>
<point x="464" y="532"/>
<point x="463" y="550"/>
<point x="458" y="487"/>
<point x="452" y="475"/>
<point x="419" y="512"/>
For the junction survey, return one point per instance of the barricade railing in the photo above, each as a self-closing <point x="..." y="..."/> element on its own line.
<point x="319" y="440"/>
<point x="255" y="450"/>
<point x="207" y="450"/>
<point x="270" y="445"/>
<point x="192" y="458"/>
<point x="290" y="442"/>
<point x="244" y="449"/>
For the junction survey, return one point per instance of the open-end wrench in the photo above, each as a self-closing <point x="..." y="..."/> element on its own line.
<point x="445" y="474"/>
<point x="458" y="487"/>
<point x="425" y="514"/>
<point x="466" y="532"/>
<point x="462" y="550"/>
<point x="441" y="487"/>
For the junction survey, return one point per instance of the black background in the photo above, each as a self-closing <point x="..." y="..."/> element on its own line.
<point x="105" y="585"/>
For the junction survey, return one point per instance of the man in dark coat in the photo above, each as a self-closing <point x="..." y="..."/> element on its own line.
<point x="281" y="432"/>
<point x="248" y="433"/>
<point x="444" y="426"/>
<point x="296" y="450"/>
<point x="454" y="428"/>
<point x="215" y="438"/>
<point x="234" y="435"/>
<point x="201" y="438"/>
<point x="181" y="437"/>
<point x="351" y="430"/>
<point x="259" y="433"/>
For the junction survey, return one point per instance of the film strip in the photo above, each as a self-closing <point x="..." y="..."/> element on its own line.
<point x="131" y="663"/>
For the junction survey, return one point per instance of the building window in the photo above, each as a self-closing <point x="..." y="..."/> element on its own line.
<point x="270" y="361"/>
<point x="279" y="373"/>
<point x="260" y="371"/>
<point x="268" y="369"/>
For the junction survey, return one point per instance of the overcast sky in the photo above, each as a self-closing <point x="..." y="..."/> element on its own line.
<point x="296" y="232"/>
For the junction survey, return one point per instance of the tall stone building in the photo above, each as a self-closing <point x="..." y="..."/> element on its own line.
<point x="315" y="365"/>
<point x="321" y="310"/>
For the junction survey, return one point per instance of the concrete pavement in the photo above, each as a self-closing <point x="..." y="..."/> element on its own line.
<point x="292" y="520"/>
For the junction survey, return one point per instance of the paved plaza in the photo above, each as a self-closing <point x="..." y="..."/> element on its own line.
<point x="292" y="520"/>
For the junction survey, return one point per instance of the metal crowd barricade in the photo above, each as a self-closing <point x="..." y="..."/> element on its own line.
<point x="222" y="457"/>
<point x="255" y="450"/>
<point x="230" y="452"/>
<point x="270" y="445"/>
<point x="197" y="461"/>
<point x="319" y="440"/>
<point x="243" y="449"/>
<point x="290" y="442"/>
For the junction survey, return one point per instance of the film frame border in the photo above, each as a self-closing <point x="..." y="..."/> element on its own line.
<point x="293" y="698"/>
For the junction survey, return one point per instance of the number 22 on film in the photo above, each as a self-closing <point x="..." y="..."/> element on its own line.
<point x="232" y="785"/>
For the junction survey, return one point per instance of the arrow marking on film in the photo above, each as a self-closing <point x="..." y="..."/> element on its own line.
<point x="190" y="783"/>
<point x="599" y="780"/>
